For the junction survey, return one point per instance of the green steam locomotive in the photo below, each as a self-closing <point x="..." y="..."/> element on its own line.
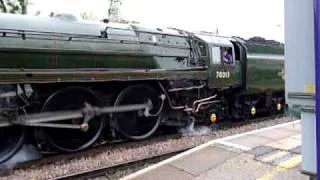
<point x="65" y="84"/>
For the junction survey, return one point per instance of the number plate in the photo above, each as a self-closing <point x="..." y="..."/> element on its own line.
<point x="222" y="74"/>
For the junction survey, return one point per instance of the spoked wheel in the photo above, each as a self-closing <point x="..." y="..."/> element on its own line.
<point x="71" y="140"/>
<point x="134" y="124"/>
<point x="11" y="140"/>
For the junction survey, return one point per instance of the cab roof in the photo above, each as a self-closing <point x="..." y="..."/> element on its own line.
<point x="215" y="40"/>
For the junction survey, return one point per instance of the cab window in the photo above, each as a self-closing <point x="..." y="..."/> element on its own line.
<point x="222" y="55"/>
<point x="216" y="55"/>
<point x="227" y="55"/>
<point x="202" y="49"/>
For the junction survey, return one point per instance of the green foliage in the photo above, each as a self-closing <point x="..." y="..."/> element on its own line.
<point x="265" y="49"/>
<point x="3" y="7"/>
<point x="14" y="7"/>
<point x="88" y="16"/>
<point x="259" y="44"/>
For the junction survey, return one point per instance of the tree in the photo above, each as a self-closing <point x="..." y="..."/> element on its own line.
<point x="37" y="13"/>
<point x="23" y="5"/>
<point x="3" y="7"/>
<point x="88" y="16"/>
<point x="51" y="14"/>
<point x="114" y="13"/>
<point x="14" y="6"/>
<point x="114" y="10"/>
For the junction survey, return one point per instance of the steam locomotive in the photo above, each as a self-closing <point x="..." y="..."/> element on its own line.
<point x="65" y="84"/>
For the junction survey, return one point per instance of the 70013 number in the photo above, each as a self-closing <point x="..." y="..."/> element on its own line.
<point x="222" y="74"/>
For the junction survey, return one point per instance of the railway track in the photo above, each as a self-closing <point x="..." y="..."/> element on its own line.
<point x="81" y="165"/>
<point x="51" y="158"/>
<point x="102" y="171"/>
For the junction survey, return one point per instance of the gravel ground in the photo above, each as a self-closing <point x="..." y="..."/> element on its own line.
<point x="111" y="156"/>
<point x="119" y="172"/>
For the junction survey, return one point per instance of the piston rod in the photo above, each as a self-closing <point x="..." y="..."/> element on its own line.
<point x="87" y="113"/>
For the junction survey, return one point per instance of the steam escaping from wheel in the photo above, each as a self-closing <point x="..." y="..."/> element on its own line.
<point x="26" y="153"/>
<point x="190" y="129"/>
<point x="198" y="131"/>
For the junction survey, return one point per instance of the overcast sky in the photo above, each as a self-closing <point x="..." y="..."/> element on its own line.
<point x="245" y="18"/>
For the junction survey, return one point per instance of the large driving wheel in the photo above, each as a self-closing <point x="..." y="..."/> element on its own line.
<point x="11" y="140"/>
<point x="134" y="124"/>
<point x="71" y="140"/>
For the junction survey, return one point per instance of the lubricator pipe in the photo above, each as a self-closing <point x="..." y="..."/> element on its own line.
<point x="203" y="100"/>
<point x="194" y="108"/>
<point x="186" y="89"/>
<point x="205" y="103"/>
<point x="169" y="100"/>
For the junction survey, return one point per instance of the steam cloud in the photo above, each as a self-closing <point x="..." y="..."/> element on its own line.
<point x="26" y="153"/>
<point x="191" y="130"/>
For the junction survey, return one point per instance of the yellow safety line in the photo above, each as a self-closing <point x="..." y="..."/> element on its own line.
<point x="284" y="166"/>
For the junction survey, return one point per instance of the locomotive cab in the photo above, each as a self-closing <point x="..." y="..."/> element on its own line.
<point x="225" y="62"/>
<point x="222" y="66"/>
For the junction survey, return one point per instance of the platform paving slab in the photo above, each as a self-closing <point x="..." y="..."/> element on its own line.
<point x="296" y="150"/>
<point x="228" y="148"/>
<point x="294" y="127"/>
<point x="283" y="159"/>
<point x="298" y="136"/>
<point x="260" y="150"/>
<point x="270" y="154"/>
<point x="203" y="160"/>
<point x="285" y="144"/>
<point x="293" y="174"/>
<point x="286" y="168"/>
<point x="242" y="167"/>
<point x="250" y="141"/>
<point x="167" y="172"/>
<point x="276" y="134"/>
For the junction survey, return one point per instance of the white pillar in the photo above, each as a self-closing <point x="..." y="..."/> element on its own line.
<point x="300" y="73"/>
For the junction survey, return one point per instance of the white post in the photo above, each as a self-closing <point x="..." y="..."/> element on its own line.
<point x="300" y="74"/>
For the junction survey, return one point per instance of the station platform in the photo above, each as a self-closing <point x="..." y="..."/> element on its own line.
<point x="268" y="153"/>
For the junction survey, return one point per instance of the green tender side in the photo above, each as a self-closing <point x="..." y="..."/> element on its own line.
<point x="265" y="73"/>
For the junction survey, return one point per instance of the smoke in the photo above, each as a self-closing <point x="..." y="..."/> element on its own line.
<point x="26" y="153"/>
<point x="192" y="130"/>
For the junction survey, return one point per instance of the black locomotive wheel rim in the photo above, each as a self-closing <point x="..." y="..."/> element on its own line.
<point x="11" y="140"/>
<point x="128" y="122"/>
<point x="72" y="140"/>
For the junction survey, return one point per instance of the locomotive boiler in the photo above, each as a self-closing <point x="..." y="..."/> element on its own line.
<point x="67" y="84"/>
